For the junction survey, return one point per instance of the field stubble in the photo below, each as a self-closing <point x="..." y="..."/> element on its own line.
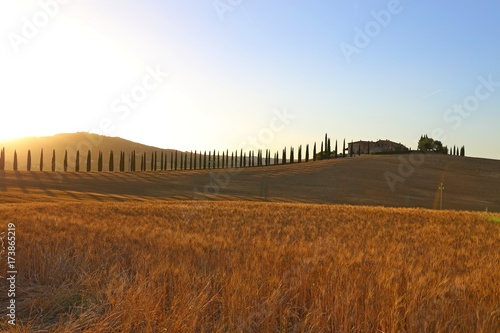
<point x="252" y="267"/>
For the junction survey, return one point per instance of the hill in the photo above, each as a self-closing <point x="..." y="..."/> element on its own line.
<point x="71" y="142"/>
<point x="469" y="183"/>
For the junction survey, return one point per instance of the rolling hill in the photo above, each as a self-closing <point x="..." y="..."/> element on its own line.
<point x="469" y="183"/>
<point x="71" y="142"/>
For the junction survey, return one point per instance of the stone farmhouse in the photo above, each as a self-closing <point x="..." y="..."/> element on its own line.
<point x="371" y="147"/>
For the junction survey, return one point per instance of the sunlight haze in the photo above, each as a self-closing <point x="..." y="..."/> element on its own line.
<point x="212" y="74"/>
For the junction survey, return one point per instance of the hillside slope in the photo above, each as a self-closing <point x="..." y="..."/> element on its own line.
<point x="469" y="183"/>
<point x="71" y="142"/>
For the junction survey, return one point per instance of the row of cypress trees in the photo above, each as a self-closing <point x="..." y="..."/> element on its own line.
<point x="190" y="161"/>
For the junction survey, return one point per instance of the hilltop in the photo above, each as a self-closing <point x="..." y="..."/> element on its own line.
<point x="71" y="142"/>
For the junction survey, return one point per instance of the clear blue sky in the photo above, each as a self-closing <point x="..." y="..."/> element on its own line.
<point x="354" y="69"/>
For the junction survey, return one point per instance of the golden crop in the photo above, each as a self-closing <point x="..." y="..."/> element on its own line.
<point x="252" y="267"/>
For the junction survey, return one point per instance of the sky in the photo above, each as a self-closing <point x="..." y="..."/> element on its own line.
<point x="231" y="74"/>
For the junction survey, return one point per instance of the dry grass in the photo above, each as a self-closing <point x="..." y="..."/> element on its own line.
<point x="252" y="267"/>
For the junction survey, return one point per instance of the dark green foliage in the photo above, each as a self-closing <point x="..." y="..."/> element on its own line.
<point x="111" y="165"/>
<point x="321" y="152"/>
<point x="175" y="163"/>
<point x="161" y="160"/>
<point x="227" y="158"/>
<point x="299" y="157"/>
<point x="99" y="162"/>
<point x="291" y="155"/>
<point x="205" y="160"/>
<point x="283" y="158"/>
<point x="2" y="159"/>
<point x="65" y="166"/>
<point x="152" y="161"/>
<point x="307" y="153"/>
<point x="156" y="161"/>
<point x="427" y="144"/>
<point x="15" y="161"/>
<point x="336" y="155"/>
<point x="89" y="161"/>
<point x="41" y="160"/>
<point x="185" y="161"/>
<point x="53" y="164"/>
<point x="28" y="165"/>
<point x="122" y="161"/>
<point x="343" y="149"/>
<point x="352" y="148"/>
<point x="191" y="161"/>
<point x="194" y="161"/>
<point x="462" y="151"/>
<point x="314" y="152"/>
<point x="77" y="161"/>
<point x="171" y="160"/>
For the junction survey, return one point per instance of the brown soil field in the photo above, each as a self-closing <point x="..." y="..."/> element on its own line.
<point x="470" y="183"/>
<point x="240" y="266"/>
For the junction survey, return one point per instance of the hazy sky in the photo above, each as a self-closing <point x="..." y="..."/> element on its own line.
<point x="205" y="74"/>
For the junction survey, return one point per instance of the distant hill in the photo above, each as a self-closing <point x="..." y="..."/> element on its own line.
<point x="73" y="142"/>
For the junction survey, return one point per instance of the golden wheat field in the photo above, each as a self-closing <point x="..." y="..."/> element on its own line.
<point x="200" y="266"/>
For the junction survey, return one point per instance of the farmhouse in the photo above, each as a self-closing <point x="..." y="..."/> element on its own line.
<point x="370" y="147"/>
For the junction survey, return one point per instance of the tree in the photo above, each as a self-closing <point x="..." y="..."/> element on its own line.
<point x="156" y="161"/>
<point x="15" y="161"/>
<point x="462" y="151"/>
<point x="89" y="161"/>
<point x="53" y="164"/>
<point x="77" y="161"/>
<point x="321" y="152"/>
<point x="427" y="144"/>
<point x="328" y="149"/>
<point x="28" y="165"/>
<point x="191" y="161"/>
<point x="41" y="160"/>
<point x="66" y="160"/>
<point x="176" y="160"/>
<point x="314" y="152"/>
<point x="185" y="160"/>
<point x="122" y="161"/>
<point x="336" y="155"/>
<point x="283" y="160"/>
<point x="111" y="161"/>
<point x="352" y="148"/>
<point x="2" y="159"/>
<point x="343" y="149"/>
<point x="99" y="162"/>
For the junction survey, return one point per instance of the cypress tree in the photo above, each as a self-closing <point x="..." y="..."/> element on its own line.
<point x="205" y="160"/>
<point x="122" y="163"/>
<point x="28" y="166"/>
<point x="283" y="158"/>
<point x="194" y="161"/>
<point x="15" y="161"/>
<point x="111" y="166"/>
<point x="359" y="148"/>
<point x="232" y="159"/>
<point x="142" y="163"/>
<point x="314" y="152"/>
<point x="352" y="148"/>
<point x="41" y="160"/>
<point x="181" y="161"/>
<point x="241" y="158"/>
<point x="223" y="159"/>
<point x="210" y="160"/>
<point x="191" y="161"/>
<point x="2" y="160"/>
<point x="66" y="160"/>
<point x="152" y="161"/>
<point x="171" y="160"/>
<point x="218" y="159"/>
<point x="161" y="161"/>
<point x="343" y="149"/>
<point x="227" y="158"/>
<point x="244" y="160"/>
<point x="335" y="156"/>
<point x="185" y="160"/>
<point x="292" y="157"/>
<point x="77" y="162"/>
<point x="300" y="154"/>
<point x="175" y="163"/>
<point x="89" y="161"/>
<point x="156" y="161"/>
<point x="328" y="149"/>
<point x="368" y="147"/>
<point x="53" y="160"/>
<point x="321" y="153"/>
<point x="307" y="153"/>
